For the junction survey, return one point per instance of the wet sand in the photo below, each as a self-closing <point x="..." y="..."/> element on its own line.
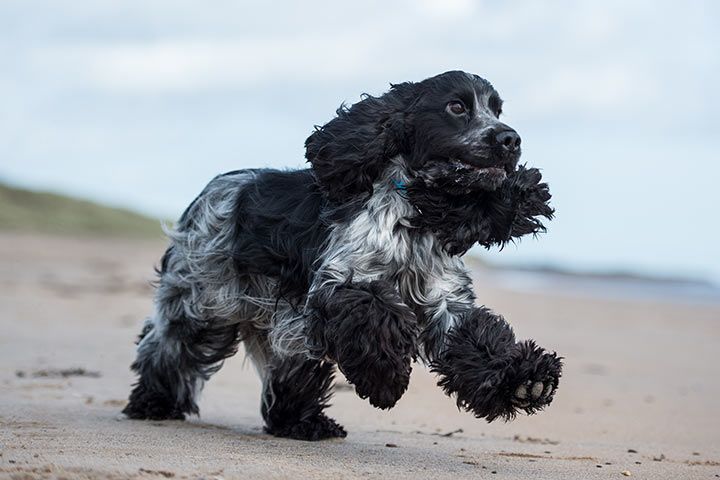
<point x="640" y="393"/>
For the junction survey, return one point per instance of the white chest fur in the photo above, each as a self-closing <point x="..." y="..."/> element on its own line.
<point x="379" y="244"/>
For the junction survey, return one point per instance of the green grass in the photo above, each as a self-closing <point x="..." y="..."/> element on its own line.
<point x="28" y="211"/>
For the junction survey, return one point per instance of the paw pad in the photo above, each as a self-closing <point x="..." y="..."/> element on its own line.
<point x="533" y="393"/>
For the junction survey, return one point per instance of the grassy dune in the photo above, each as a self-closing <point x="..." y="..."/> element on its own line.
<point x="28" y="211"/>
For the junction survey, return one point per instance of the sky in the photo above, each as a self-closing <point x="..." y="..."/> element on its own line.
<point x="139" y="103"/>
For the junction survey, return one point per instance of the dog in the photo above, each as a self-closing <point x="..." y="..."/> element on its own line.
<point x="355" y="262"/>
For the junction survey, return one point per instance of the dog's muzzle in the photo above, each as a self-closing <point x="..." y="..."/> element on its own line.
<point x="497" y="153"/>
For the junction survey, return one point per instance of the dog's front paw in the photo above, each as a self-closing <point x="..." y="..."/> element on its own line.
<point x="537" y="377"/>
<point x="371" y="334"/>
<point x="525" y="383"/>
<point x="492" y="375"/>
<point x="532" y="392"/>
<point x="382" y="382"/>
<point x="502" y="388"/>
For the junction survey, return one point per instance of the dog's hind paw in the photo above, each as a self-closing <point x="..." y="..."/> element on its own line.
<point x="319" y="427"/>
<point x="145" y="404"/>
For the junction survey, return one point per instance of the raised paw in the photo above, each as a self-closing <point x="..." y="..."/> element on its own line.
<point x="492" y="375"/>
<point x="532" y="392"/>
<point x="371" y="335"/>
<point x="319" y="427"/>
<point x="537" y="374"/>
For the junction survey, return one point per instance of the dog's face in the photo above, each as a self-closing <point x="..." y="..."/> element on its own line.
<point x="457" y="131"/>
<point x="447" y="128"/>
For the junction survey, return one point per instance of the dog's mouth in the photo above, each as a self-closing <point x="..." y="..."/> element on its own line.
<point x="498" y="168"/>
<point x="485" y="176"/>
<point x="458" y="176"/>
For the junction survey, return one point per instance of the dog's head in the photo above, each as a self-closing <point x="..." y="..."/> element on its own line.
<point x="447" y="129"/>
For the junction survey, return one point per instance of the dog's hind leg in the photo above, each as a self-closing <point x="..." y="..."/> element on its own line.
<point x="173" y="362"/>
<point x="201" y="306"/>
<point x="296" y="390"/>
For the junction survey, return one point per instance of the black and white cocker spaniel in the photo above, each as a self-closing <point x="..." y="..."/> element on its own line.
<point x="355" y="262"/>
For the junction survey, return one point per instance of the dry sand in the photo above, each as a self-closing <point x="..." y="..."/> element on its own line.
<point x="640" y="393"/>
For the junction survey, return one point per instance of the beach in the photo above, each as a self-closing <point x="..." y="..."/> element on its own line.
<point x="639" y="396"/>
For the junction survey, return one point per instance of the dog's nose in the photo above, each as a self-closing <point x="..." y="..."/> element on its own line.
<point x="509" y="140"/>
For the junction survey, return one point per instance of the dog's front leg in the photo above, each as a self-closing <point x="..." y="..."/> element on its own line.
<point x="491" y="374"/>
<point x="475" y="352"/>
<point x="370" y="333"/>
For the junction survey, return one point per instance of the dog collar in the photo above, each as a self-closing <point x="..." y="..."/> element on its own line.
<point x="400" y="185"/>
<point x="401" y="189"/>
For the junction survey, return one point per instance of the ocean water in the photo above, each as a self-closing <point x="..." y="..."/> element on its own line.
<point x="620" y="287"/>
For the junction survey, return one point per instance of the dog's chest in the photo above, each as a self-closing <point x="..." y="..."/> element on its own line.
<point x="379" y="244"/>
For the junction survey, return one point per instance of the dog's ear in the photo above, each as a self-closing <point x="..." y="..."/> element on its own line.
<point x="349" y="153"/>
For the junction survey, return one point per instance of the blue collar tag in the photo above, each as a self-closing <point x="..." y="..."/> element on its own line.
<point x="400" y="188"/>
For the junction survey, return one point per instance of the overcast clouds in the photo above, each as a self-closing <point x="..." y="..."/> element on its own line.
<point x="139" y="103"/>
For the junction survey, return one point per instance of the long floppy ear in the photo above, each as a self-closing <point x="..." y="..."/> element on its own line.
<point x="349" y="152"/>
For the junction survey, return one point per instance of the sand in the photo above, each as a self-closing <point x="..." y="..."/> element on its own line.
<point x="640" y="393"/>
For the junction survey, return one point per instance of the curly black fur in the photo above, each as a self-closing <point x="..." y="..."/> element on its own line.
<point x="280" y="225"/>
<point x="462" y="207"/>
<point x="161" y="391"/>
<point x="294" y="397"/>
<point x="514" y="209"/>
<point x="350" y="151"/>
<point x="484" y="366"/>
<point x="148" y="403"/>
<point x="371" y="334"/>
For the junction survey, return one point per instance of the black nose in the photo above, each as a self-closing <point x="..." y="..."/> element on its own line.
<point x="509" y="140"/>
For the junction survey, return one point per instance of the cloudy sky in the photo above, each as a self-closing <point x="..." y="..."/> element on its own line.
<point x="139" y="103"/>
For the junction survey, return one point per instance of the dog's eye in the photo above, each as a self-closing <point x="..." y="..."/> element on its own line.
<point x="456" y="108"/>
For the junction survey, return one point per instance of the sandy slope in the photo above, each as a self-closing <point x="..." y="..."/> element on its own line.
<point x="639" y="376"/>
